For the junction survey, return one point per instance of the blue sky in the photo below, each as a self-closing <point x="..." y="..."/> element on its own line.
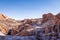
<point x="21" y="9"/>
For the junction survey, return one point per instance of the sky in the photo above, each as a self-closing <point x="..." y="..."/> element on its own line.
<point x="23" y="9"/>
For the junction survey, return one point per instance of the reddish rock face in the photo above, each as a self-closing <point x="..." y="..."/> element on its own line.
<point x="47" y="17"/>
<point x="51" y="25"/>
<point x="55" y="19"/>
<point x="58" y="15"/>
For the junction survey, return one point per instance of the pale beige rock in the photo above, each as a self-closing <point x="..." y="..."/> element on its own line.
<point x="3" y="17"/>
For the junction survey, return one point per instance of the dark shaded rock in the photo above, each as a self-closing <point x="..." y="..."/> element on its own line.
<point x="18" y="38"/>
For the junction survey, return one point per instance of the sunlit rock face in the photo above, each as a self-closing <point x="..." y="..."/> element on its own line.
<point x="3" y="17"/>
<point x="1" y="34"/>
<point x="45" y="28"/>
<point x="26" y="28"/>
<point x="6" y="24"/>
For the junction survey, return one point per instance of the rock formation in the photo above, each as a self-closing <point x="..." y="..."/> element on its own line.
<point x="45" y="28"/>
<point x="6" y="24"/>
<point x="3" y="17"/>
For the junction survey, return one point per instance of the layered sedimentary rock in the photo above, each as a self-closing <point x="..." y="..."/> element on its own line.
<point x="3" y="17"/>
<point x="45" y="28"/>
<point x="6" y="24"/>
